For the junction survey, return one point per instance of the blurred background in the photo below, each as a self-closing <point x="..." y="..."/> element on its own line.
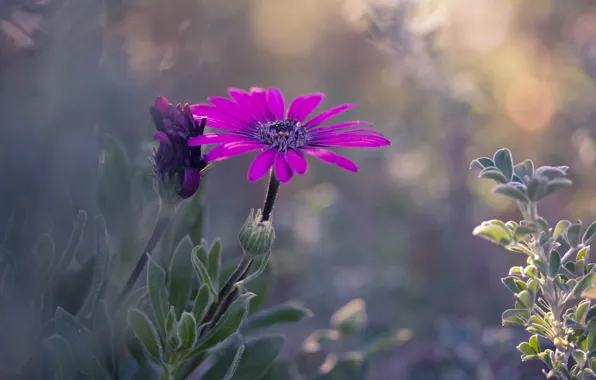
<point x="446" y="80"/>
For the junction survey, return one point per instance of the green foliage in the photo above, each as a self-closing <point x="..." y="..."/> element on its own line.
<point x="550" y="291"/>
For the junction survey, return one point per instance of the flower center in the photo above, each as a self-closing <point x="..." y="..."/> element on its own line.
<point x="284" y="134"/>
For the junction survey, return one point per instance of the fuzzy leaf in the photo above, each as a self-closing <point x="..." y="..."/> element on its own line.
<point x="156" y="282"/>
<point x="203" y="300"/>
<point x="590" y="233"/>
<point x="82" y="344"/>
<point x="284" y="313"/>
<point x="214" y="261"/>
<point x="494" y="231"/>
<point x="481" y="163"/>
<point x="494" y="174"/>
<point x="64" y="363"/>
<point x="560" y="228"/>
<point x="554" y="263"/>
<point x="145" y="331"/>
<point x="584" y="284"/>
<point x="180" y="275"/>
<point x="512" y="191"/>
<point x="187" y="330"/>
<point x="504" y="162"/>
<point x="573" y="233"/>
<point x="202" y="272"/>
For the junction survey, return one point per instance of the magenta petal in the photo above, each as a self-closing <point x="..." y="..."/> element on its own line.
<point x="162" y="104"/>
<point x="214" y="113"/>
<point x="275" y="100"/>
<point x="309" y="104"/>
<point x="258" y="97"/>
<point x="282" y="169"/>
<point x="297" y="162"/>
<point x="261" y="164"/>
<point x="338" y="127"/>
<point x="216" y="138"/>
<point x="232" y="109"/>
<point x="295" y="107"/>
<point x="161" y="136"/>
<point x="332" y="112"/>
<point x="221" y="152"/>
<point x="331" y="157"/>
<point x="347" y="143"/>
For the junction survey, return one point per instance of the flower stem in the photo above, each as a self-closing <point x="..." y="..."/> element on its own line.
<point x="270" y="198"/>
<point x="165" y="216"/>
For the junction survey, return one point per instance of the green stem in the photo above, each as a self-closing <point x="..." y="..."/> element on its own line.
<point x="164" y="217"/>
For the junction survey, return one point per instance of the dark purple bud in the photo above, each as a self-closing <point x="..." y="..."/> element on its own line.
<point x="175" y="163"/>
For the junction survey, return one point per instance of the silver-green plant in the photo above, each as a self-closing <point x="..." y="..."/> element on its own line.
<point x="552" y="290"/>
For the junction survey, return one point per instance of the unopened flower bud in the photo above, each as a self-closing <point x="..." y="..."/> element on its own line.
<point x="256" y="236"/>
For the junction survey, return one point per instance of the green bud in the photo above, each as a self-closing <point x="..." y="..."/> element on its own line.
<point x="256" y="236"/>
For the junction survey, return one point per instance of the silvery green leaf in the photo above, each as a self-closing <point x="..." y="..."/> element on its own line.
<point x="145" y="331"/>
<point x="524" y="169"/>
<point x="554" y="263"/>
<point x="203" y="300"/>
<point x="82" y="344"/>
<point x="100" y="270"/>
<point x="551" y="172"/>
<point x="560" y="228"/>
<point x="64" y="364"/>
<point x="584" y="284"/>
<point x="513" y="191"/>
<point x="590" y="233"/>
<point x="481" y="163"/>
<point x="350" y="318"/>
<point x="156" y="282"/>
<point x="283" y="313"/>
<point x="187" y="330"/>
<point x="537" y="188"/>
<point x="495" y="231"/>
<point x="557" y="184"/>
<point x="258" y="356"/>
<point x="201" y="271"/>
<point x="504" y="163"/>
<point x="573" y="233"/>
<point x="494" y="174"/>
<point x="214" y="261"/>
<point x="227" y="325"/>
<point x="181" y="275"/>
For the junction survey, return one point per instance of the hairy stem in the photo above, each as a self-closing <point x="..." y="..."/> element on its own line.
<point x="164" y="217"/>
<point x="270" y="197"/>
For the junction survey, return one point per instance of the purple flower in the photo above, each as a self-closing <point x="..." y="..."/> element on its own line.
<point x="257" y="121"/>
<point x="174" y="159"/>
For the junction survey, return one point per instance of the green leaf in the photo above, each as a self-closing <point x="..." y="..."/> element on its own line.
<point x="481" y="163"/>
<point x="72" y="245"/>
<point x="526" y="348"/>
<point x="187" y="330"/>
<point x="494" y="231"/>
<point x="534" y="343"/>
<point x="580" y="357"/>
<point x="581" y="255"/>
<point x="146" y="333"/>
<point x="581" y="311"/>
<point x="536" y="188"/>
<point x="511" y="284"/>
<point x="525" y="298"/>
<point x="228" y="324"/>
<point x="114" y="192"/>
<point x="171" y="321"/>
<point x="214" y="261"/>
<point x="227" y="359"/>
<point x="584" y="284"/>
<point x="551" y="172"/>
<point x="514" y="191"/>
<point x="557" y="184"/>
<point x="82" y="344"/>
<point x="524" y="169"/>
<point x="203" y="301"/>
<point x="202" y="272"/>
<point x="560" y="228"/>
<point x="156" y="282"/>
<point x="504" y="163"/>
<point x="573" y="233"/>
<point x="100" y="270"/>
<point x="180" y="275"/>
<point x="389" y="341"/>
<point x="259" y="355"/>
<point x="590" y="233"/>
<point x="283" y="313"/>
<point x="350" y="318"/>
<point x="494" y="174"/>
<point x="64" y="364"/>
<point x="554" y="263"/>
<point x="591" y="340"/>
<point x="352" y="366"/>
